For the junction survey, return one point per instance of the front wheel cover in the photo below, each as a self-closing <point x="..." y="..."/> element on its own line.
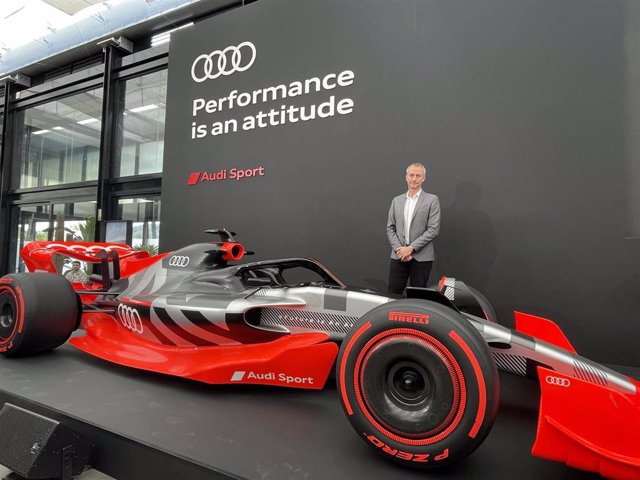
<point x="418" y="382"/>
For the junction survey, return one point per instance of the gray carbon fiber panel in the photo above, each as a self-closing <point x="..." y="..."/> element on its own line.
<point x="308" y="320"/>
<point x="589" y="372"/>
<point x="515" y="364"/>
<point x="335" y="300"/>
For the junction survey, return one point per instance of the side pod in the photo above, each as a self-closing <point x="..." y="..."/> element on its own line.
<point x="588" y="426"/>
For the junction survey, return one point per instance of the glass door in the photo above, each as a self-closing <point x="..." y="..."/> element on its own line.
<point x="34" y="223"/>
<point x="144" y="214"/>
<point x="69" y="222"/>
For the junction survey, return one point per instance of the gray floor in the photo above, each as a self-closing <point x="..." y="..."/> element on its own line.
<point x="88" y="475"/>
<point x="253" y="433"/>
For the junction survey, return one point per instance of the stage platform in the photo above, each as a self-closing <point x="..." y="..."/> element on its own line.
<point x="148" y="425"/>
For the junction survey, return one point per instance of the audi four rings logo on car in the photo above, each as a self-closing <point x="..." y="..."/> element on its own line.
<point x="130" y="318"/>
<point x="223" y="62"/>
<point x="560" y="382"/>
<point x="178" y="261"/>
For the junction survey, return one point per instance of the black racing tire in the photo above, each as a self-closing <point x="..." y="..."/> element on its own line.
<point x="485" y="304"/>
<point x="418" y="382"/>
<point x="38" y="312"/>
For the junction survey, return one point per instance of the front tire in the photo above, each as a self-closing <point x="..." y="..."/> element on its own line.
<point x="38" y="312"/>
<point x="418" y="382"/>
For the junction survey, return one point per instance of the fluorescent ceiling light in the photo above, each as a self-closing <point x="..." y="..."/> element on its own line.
<point x="143" y="108"/>
<point x="158" y="42"/>
<point x="88" y="120"/>
<point x="161" y="38"/>
<point x="40" y="132"/>
<point x="58" y="128"/>
<point x="164" y="37"/>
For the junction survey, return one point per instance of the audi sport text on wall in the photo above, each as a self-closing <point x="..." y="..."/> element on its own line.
<point x="233" y="174"/>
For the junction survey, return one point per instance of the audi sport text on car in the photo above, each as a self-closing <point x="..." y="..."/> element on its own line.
<point x="417" y="377"/>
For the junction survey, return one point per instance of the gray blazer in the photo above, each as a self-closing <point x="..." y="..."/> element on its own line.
<point x="425" y="226"/>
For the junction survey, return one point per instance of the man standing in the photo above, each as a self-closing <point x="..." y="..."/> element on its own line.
<point x="414" y="221"/>
<point x="76" y="275"/>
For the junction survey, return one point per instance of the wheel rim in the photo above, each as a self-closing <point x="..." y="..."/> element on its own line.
<point x="7" y="313"/>
<point x="408" y="383"/>
<point x="411" y="387"/>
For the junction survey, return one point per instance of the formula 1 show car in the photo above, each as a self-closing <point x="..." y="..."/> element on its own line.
<point x="417" y="377"/>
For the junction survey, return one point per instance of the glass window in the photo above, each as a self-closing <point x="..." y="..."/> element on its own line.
<point x="59" y="142"/>
<point x="144" y="215"/>
<point x="74" y="221"/>
<point x="33" y="224"/>
<point x="141" y="141"/>
<point x="1" y="123"/>
<point x="66" y="222"/>
<point x="145" y="54"/>
<point x="62" y="80"/>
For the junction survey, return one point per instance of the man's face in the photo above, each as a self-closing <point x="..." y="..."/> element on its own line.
<point x="75" y="266"/>
<point x="415" y="178"/>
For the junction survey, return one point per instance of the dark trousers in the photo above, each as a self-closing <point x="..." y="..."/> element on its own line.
<point x="400" y="272"/>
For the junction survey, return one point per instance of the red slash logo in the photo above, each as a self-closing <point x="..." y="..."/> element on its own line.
<point x="408" y="317"/>
<point x="193" y="178"/>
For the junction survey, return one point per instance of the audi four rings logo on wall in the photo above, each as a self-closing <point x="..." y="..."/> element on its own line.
<point x="130" y="318"/>
<point x="178" y="261"/>
<point x="560" y="382"/>
<point x="223" y="62"/>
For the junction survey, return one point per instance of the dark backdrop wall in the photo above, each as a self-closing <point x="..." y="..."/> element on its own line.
<point x="523" y="111"/>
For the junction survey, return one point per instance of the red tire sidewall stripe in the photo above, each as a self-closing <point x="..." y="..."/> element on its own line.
<point x="17" y="303"/>
<point x="482" y="396"/>
<point x="443" y="357"/>
<point x="343" y="366"/>
<point x="21" y="317"/>
<point x="458" y="371"/>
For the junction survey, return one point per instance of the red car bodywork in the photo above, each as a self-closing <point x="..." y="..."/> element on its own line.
<point x="582" y="422"/>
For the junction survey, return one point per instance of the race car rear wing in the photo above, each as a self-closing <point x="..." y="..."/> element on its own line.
<point x="125" y="260"/>
<point x="39" y="256"/>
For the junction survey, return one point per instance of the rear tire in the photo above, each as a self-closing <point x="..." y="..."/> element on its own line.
<point x="418" y="382"/>
<point x="38" y="312"/>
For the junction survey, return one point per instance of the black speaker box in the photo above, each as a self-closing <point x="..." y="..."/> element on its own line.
<point x="37" y="447"/>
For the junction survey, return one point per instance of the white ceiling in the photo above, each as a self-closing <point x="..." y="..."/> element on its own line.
<point x="41" y="35"/>
<point x="22" y="21"/>
<point x="71" y="7"/>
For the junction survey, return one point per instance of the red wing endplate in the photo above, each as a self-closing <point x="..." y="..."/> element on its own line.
<point x="582" y="421"/>
<point x="588" y="426"/>
<point x="296" y="360"/>
<point x="543" y="329"/>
